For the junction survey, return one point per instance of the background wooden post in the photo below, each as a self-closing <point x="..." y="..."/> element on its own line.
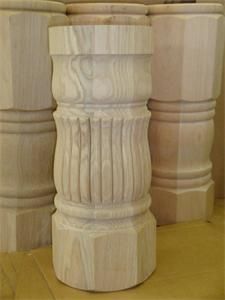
<point x="27" y="129"/>
<point x="186" y="69"/>
<point x="103" y="231"/>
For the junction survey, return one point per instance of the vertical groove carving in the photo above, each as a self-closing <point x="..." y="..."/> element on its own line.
<point x="106" y="158"/>
<point x="66" y="160"/>
<point x="127" y="160"/>
<point x="137" y="161"/>
<point x="94" y="153"/>
<point x="75" y="167"/>
<point x="59" y="150"/>
<point x="85" y="145"/>
<point x="146" y="157"/>
<point x="118" y="165"/>
<point x="96" y="182"/>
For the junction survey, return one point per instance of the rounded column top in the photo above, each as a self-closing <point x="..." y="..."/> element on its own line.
<point x="108" y="14"/>
<point x="186" y="8"/>
<point x="31" y="5"/>
<point x="107" y="8"/>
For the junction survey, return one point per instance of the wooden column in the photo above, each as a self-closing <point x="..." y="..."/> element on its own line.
<point x="27" y="129"/>
<point x="103" y="231"/>
<point x="186" y="69"/>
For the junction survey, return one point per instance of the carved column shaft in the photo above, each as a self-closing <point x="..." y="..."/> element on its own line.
<point x="27" y="129"/>
<point x="186" y="69"/>
<point x="103" y="232"/>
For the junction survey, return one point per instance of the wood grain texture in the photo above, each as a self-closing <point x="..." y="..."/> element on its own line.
<point x="48" y="6"/>
<point x="107" y="13"/>
<point x="103" y="232"/>
<point x="27" y="129"/>
<point x="186" y="69"/>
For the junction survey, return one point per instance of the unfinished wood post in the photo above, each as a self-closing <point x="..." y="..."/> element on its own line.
<point x="27" y="129"/>
<point x="186" y="69"/>
<point x="103" y="232"/>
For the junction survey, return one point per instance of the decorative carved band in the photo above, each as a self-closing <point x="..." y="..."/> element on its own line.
<point x="182" y="112"/>
<point x="35" y="122"/>
<point x="102" y="159"/>
<point x="23" y="133"/>
<point x="99" y="212"/>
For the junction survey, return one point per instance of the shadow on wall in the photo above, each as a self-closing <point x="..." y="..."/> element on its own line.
<point x="218" y="151"/>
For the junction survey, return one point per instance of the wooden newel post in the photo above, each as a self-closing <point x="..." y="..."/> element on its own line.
<point x="103" y="232"/>
<point x="27" y="129"/>
<point x="186" y="70"/>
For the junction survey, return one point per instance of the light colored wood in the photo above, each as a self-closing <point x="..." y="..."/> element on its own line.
<point x="46" y="6"/>
<point x="108" y="13"/>
<point x="27" y="129"/>
<point x="103" y="231"/>
<point x="186" y="69"/>
<point x="30" y="276"/>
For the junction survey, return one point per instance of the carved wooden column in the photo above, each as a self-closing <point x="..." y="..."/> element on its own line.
<point x="186" y="68"/>
<point x="103" y="232"/>
<point x="27" y="129"/>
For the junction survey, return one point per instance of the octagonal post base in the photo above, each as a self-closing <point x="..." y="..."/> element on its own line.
<point x="24" y="229"/>
<point x="173" y="206"/>
<point x="104" y="256"/>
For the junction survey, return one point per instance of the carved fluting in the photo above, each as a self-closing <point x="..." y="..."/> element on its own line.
<point x="103" y="160"/>
<point x="186" y="73"/>
<point x="102" y="163"/>
<point x="27" y="127"/>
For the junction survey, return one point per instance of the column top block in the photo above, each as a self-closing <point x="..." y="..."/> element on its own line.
<point x="186" y="8"/>
<point x="31" y="5"/>
<point x="107" y="8"/>
<point x="100" y="40"/>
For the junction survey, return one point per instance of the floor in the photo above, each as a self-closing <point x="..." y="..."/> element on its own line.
<point x="190" y="266"/>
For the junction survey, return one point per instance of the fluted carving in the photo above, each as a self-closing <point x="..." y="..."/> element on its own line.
<point x="102" y="163"/>
<point x="95" y="153"/>
<point x="27" y="128"/>
<point x="186" y="72"/>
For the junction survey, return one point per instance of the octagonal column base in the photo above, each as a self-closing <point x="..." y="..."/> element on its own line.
<point x="173" y="206"/>
<point x="24" y="229"/>
<point x="99" y="256"/>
